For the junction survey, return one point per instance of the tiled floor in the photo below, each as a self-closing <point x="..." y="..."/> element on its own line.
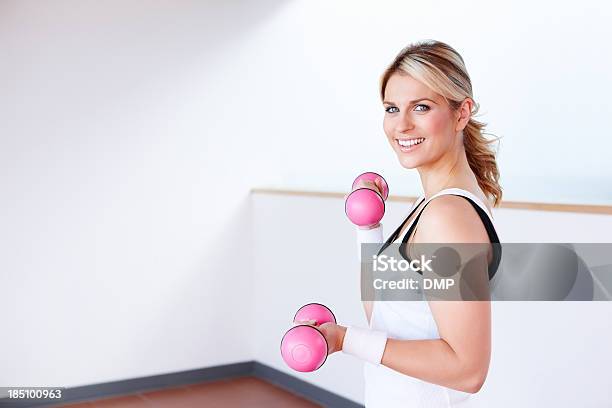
<point x="238" y="392"/>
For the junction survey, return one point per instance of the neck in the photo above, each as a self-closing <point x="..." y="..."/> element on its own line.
<point x="451" y="170"/>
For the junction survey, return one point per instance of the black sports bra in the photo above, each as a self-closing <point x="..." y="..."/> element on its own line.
<point x="493" y="238"/>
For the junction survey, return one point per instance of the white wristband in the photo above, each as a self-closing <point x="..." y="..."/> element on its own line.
<point x="366" y="236"/>
<point x="366" y="344"/>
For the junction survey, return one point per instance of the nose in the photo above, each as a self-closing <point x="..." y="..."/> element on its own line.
<point x="404" y="123"/>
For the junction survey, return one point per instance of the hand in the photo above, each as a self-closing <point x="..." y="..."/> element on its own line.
<point x="376" y="185"/>
<point x="334" y="335"/>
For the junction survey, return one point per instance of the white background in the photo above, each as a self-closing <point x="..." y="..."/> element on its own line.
<point x="132" y="132"/>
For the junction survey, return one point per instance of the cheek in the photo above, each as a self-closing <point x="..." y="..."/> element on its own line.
<point x="437" y="124"/>
<point x="388" y="127"/>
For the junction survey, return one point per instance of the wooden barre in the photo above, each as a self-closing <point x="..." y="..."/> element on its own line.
<point x="514" y="205"/>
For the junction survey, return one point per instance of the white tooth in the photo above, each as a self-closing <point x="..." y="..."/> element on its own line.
<point x="408" y="143"/>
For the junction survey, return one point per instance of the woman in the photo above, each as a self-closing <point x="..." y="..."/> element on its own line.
<point x="430" y="353"/>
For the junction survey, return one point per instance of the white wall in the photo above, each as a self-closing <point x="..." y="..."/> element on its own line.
<point x="539" y="70"/>
<point x="123" y="188"/>
<point x="545" y="354"/>
<point x="131" y="133"/>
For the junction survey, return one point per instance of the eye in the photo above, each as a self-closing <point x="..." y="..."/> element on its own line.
<point x="388" y="109"/>
<point x="422" y="110"/>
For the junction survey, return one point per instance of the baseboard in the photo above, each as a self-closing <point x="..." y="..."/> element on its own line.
<point x="132" y="386"/>
<point x="297" y="386"/>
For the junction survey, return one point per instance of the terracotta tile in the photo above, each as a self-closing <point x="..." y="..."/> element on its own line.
<point x="219" y="393"/>
<point x="232" y="393"/>
<point x="130" y="401"/>
<point x="172" y="397"/>
<point x="251" y="392"/>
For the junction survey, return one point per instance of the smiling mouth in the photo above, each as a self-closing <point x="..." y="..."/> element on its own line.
<point x="406" y="145"/>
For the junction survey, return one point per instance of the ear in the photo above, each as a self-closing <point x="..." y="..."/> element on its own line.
<point x="464" y="114"/>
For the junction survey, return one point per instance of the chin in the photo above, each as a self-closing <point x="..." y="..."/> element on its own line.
<point x="409" y="163"/>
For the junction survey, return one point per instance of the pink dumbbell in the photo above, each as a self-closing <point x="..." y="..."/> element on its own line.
<point x="365" y="206"/>
<point x="304" y="347"/>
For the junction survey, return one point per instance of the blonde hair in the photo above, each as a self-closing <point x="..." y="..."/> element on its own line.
<point x="442" y="69"/>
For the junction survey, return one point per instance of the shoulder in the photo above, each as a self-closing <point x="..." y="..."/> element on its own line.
<point x="451" y="218"/>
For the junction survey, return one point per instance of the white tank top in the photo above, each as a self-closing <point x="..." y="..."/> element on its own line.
<point x="410" y="320"/>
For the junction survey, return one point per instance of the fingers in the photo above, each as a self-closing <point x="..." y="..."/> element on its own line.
<point x="376" y="185"/>
<point x="366" y="184"/>
<point x="308" y="322"/>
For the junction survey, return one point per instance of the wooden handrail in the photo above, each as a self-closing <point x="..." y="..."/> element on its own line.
<point x="515" y="205"/>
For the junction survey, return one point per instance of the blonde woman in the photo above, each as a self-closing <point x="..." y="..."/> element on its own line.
<point x="430" y="353"/>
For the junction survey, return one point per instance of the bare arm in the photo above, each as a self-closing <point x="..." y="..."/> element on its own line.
<point x="459" y="359"/>
<point x="367" y="304"/>
<point x="367" y="307"/>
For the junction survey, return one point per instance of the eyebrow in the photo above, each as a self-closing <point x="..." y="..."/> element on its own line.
<point x="411" y="102"/>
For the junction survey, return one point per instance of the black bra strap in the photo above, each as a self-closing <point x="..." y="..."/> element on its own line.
<point x="483" y="216"/>
<point x="395" y="234"/>
<point x="493" y="238"/>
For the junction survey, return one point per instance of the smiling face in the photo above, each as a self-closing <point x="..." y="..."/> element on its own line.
<point x="418" y="122"/>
